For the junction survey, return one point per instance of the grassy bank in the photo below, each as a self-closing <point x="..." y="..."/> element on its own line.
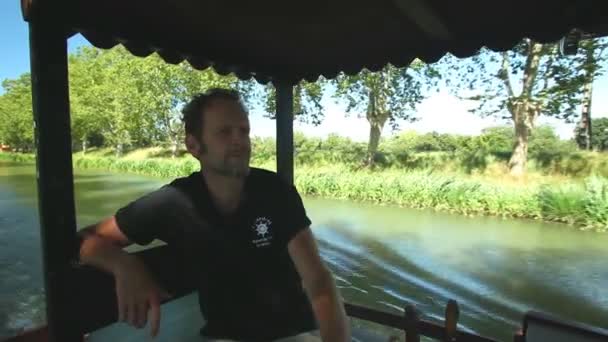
<point x="582" y="202"/>
<point x="18" y="157"/>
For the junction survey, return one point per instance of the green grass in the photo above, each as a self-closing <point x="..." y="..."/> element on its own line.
<point x="152" y="167"/>
<point x="18" y="157"/>
<point x="581" y="202"/>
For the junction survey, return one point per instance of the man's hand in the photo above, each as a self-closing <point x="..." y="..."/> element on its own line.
<point x="320" y="287"/>
<point x="137" y="294"/>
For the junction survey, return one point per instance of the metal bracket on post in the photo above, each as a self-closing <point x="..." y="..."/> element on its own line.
<point x="50" y="100"/>
<point x="284" y="121"/>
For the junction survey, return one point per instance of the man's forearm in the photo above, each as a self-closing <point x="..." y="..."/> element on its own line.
<point x="329" y="311"/>
<point x="101" y="253"/>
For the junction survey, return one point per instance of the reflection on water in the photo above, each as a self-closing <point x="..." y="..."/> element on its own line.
<point x="21" y="299"/>
<point x="382" y="257"/>
<point x="496" y="269"/>
<point x="21" y="279"/>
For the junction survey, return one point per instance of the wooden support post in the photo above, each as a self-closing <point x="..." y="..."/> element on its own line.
<point x="519" y="336"/>
<point x="451" y="320"/>
<point x="284" y="121"/>
<point x="411" y="324"/>
<point x="49" y="72"/>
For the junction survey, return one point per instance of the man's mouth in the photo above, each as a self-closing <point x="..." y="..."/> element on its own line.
<point x="237" y="155"/>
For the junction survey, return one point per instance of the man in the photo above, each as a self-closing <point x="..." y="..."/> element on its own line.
<point x="253" y="256"/>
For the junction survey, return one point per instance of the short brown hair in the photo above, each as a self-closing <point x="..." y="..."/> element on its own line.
<point x="194" y="110"/>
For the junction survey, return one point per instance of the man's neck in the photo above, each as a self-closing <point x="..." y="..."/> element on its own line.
<point x="226" y="192"/>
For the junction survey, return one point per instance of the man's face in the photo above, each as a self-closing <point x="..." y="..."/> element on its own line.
<point x="225" y="144"/>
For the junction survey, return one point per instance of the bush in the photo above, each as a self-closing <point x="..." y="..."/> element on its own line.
<point x="573" y="164"/>
<point x="599" y="135"/>
<point x="429" y="142"/>
<point x="165" y="168"/>
<point x="596" y="202"/>
<point x="499" y="140"/>
<point x="18" y="157"/>
<point x="263" y="150"/>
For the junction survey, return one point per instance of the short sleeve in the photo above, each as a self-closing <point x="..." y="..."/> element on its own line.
<point x="294" y="214"/>
<point x="149" y="217"/>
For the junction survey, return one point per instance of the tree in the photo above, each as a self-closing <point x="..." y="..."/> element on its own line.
<point x="133" y="101"/>
<point x="129" y="101"/>
<point x="307" y="105"/>
<point x="599" y="139"/>
<point x="167" y="88"/>
<point x="16" y="118"/>
<point x="110" y="96"/>
<point x="105" y="98"/>
<point x="526" y="82"/>
<point x="591" y="62"/>
<point x="390" y="94"/>
<point x="499" y="139"/>
<point x="87" y="100"/>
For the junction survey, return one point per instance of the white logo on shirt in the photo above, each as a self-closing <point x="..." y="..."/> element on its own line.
<point x="262" y="229"/>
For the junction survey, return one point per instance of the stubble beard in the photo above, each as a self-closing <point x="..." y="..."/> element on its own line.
<point x="229" y="167"/>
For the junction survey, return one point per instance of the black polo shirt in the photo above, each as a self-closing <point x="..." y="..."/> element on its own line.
<point x="248" y="286"/>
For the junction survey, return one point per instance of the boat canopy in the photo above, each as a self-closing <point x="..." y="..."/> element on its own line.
<point x="296" y="40"/>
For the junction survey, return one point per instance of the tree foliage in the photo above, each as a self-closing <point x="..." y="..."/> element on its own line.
<point x="530" y="80"/>
<point x="591" y="62"/>
<point x="16" y="120"/>
<point x="134" y="101"/>
<point x="120" y="100"/>
<point x="307" y="98"/>
<point x="388" y="95"/>
<point x="599" y="139"/>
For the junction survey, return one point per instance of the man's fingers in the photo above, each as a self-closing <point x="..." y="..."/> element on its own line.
<point x="154" y="316"/>
<point x="131" y="313"/>
<point x="164" y="295"/>
<point x="122" y="307"/>
<point x="142" y="314"/>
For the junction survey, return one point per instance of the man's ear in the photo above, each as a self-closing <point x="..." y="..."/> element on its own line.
<point x="193" y="145"/>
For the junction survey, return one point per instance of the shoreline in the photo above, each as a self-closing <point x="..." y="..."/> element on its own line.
<point x="578" y="205"/>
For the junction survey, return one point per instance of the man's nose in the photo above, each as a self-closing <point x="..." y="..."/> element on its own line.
<point x="238" y="138"/>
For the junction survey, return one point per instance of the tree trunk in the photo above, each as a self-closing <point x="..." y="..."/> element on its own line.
<point x="518" y="161"/>
<point x="523" y="129"/>
<point x="118" y="150"/>
<point x="585" y="123"/>
<point x="175" y="147"/>
<point x="374" y="140"/>
<point x="376" y="117"/>
<point x="84" y="145"/>
<point x="524" y="111"/>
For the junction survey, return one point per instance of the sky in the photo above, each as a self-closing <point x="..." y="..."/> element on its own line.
<point x="440" y="112"/>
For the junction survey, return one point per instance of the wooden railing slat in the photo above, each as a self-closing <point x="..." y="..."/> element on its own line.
<point x="412" y="333"/>
<point x="424" y="327"/>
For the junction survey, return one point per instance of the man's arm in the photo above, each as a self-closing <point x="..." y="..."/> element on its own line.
<point x="137" y="292"/>
<point x="320" y="287"/>
<point x="102" y="245"/>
